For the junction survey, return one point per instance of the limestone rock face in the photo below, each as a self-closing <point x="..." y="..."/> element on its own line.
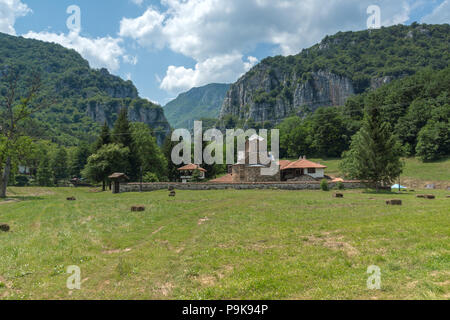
<point x="272" y="95"/>
<point x="325" y="89"/>
<point x="152" y="115"/>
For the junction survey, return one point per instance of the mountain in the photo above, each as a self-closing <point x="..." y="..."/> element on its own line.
<point x="85" y="97"/>
<point x="197" y="103"/>
<point x="328" y="73"/>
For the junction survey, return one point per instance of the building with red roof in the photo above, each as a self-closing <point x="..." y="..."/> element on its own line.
<point x="187" y="172"/>
<point x="302" y="168"/>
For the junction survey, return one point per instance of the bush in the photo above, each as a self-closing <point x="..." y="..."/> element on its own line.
<point x="340" y="185"/>
<point x="324" y="185"/>
<point x="150" y="177"/>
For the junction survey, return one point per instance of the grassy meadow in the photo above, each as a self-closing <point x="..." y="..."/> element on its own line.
<point x="254" y="244"/>
<point x="415" y="171"/>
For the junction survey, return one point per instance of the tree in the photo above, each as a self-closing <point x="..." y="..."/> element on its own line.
<point x="59" y="165"/>
<point x="434" y="141"/>
<point x="150" y="156"/>
<point x="329" y="132"/>
<point x="109" y="159"/>
<point x="16" y="106"/>
<point x="44" y="172"/>
<point x="375" y="152"/>
<point x="79" y="159"/>
<point x="104" y="138"/>
<point x="122" y="134"/>
<point x="150" y="177"/>
<point x="172" y="169"/>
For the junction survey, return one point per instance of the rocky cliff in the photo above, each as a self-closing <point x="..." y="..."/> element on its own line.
<point x="267" y="96"/>
<point x="139" y="110"/>
<point x="331" y="71"/>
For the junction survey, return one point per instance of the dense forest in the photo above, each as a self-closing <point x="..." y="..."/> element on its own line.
<point x="416" y="107"/>
<point x="75" y="87"/>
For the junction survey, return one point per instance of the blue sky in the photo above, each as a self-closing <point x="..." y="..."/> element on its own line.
<point x="169" y="46"/>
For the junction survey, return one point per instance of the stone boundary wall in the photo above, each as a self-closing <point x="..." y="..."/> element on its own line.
<point x="301" y="185"/>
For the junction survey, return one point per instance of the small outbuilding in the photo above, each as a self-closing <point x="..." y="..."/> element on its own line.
<point x="300" y="169"/>
<point x="117" y="179"/>
<point x="187" y="172"/>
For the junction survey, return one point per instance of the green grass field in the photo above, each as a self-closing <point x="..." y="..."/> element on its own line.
<point x="224" y="245"/>
<point x="415" y="170"/>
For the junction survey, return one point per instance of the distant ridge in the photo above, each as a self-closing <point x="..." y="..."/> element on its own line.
<point x="195" y="104"/>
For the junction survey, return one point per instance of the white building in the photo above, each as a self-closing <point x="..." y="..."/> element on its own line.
<point x="292" y="170"/>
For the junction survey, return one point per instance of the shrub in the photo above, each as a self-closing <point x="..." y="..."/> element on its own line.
<point x="21" y="181"/>
<point x="150" y="177"/>
<point x="324" y="185"/>
<point x="340" y="185"/>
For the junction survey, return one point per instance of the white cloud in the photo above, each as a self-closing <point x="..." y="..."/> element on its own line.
<point x="100" y="52"/>
<point x="209" y="30"/>
<point x="146" y="29"/>
<point x="10" y="10"/>
<point x="222" y="68"/>
<point x="441" y="14"/>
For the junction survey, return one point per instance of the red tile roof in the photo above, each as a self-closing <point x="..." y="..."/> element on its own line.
<point x="303" y="164"/>
<point x="192" y="167"/>
<point x="284" y="164"/>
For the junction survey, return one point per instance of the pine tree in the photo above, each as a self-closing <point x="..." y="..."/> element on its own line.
<point x="150" y="155"/>
<point x="122" y="135"/>
<point x="172" y="169"/>
<point x="122" y="129"/>
<point x="375" y="152"/>
<point x="104" y="138"/>
<point x="79" y="160"/>
<point x="44" y="172"/>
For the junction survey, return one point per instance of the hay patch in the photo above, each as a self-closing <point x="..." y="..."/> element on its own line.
<point x="165" y="289"/>
<point x="117" y="251"/>
<point x="202" y="221"/>
<point x="333" y="242"/>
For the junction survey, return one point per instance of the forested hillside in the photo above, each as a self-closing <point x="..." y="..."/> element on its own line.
<point x="416" y="107"/>
<point x="196" y="104"/>
<point x="84" y="97"/>
<point x="330" y="72"/>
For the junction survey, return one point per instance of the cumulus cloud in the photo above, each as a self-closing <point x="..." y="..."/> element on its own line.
<point x="10" y="10"/>
<point x="146" y="29"/>
<point x="209" y="30"/>
<point x="222" y="68"/>
<point x="441" y="14"/>
<point x="100" y="52"/>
